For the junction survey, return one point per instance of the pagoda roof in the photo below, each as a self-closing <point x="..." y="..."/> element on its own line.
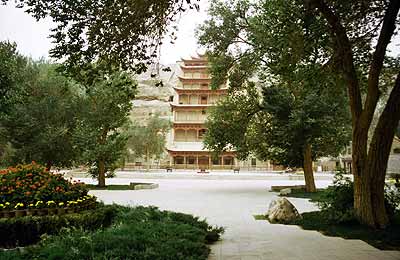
<point x="196" y="106"/>
<point x="199" y="90"/>
<point x="194" y="68"/>
<point x="203" y="80"/>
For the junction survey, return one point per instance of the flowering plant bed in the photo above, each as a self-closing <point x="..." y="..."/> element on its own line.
<point x="31" y="190"/>
<point x="49" y="208"/>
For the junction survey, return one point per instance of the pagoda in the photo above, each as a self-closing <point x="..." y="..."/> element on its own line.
<point x="193" y="97"/>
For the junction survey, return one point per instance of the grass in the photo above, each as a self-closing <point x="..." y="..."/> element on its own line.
<point x="312" y="196"/>
<point x="387" y="239"/>
<point x="260" y="217"/>
<point x="113" y="186"/>
<point x="136" y="233"/>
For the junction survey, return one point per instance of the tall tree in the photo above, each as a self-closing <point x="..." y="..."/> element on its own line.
<point x="105" y="106"/>
<point x="373" y="24"/>
<point x="149" y="140"/>
<point x="122" y="33"/>
<point x="267" y="40"/>
<point x="351" y="38"/>
<point x="39" y="126"/>
<point x="290" y="126"/>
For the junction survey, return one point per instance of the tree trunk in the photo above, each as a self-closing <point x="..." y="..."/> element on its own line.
<point x="369" y="169"/>
<point x="147" y="161"/>
<point x="48" y="165"/>
<point x="362" y="181"/>
<point x="378" y="154"/>
<point x="308" y="171"/>
<point x="102" y="175"/>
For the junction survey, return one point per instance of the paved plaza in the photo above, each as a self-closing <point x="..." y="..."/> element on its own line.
<point x="231" y="203"/>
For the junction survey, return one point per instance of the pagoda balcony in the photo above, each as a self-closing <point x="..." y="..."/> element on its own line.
<point x="190" y="106"/>
<point x="200" y="90"/>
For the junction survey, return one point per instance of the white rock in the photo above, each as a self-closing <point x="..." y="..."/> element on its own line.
<point x="285" y="191"/>
<point x="282" y="211"/>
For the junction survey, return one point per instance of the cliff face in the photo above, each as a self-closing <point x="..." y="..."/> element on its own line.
<point x="152" y="99"/>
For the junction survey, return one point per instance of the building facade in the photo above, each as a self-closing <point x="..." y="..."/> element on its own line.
<point x="193" y="97"/>
<point x="192" y="100"/>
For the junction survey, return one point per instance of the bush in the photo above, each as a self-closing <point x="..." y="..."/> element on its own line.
<point x="137" y="233"/>
<point x="28" y="230"/>
<point x="337" y="201"/>
<point x="153" y="214"/>
<point x="28" y="184"/>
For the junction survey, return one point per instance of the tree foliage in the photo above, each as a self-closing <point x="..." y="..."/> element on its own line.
<point x="124" y="34"/>
<point x="41" y="119"/>
<point x="149" y="140"/>
<point x="302" y="107"/>
<point x="348" y="38"/>
<point x="105" y="107"/>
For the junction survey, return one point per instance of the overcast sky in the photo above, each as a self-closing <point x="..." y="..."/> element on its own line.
<point x="32" y="36"/>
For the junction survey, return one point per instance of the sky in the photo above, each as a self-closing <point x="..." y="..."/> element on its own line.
<point x="32" y="39"/>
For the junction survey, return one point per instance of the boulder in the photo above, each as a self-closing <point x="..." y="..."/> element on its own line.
<point x="286" y="191"/>
<point x="282" y="211"/>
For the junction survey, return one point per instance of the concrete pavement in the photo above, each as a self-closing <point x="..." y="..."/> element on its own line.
<point x="232" y="203"/>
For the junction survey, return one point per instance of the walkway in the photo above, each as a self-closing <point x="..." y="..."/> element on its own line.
<point x="232" y="204"/>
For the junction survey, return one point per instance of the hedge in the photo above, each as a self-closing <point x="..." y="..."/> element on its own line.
<point x="28" y="230"/>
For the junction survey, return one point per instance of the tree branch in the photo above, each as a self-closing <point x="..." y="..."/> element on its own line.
<point x="344" y="49"/>
<point x="386" y="33"/>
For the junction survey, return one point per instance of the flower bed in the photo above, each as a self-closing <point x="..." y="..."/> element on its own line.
<point x="31" y="190"/>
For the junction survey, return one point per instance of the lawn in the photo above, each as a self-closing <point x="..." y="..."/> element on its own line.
<point x="114" y="186"/>
<point x="312" y="196"/>
<point x="387" y="239"/>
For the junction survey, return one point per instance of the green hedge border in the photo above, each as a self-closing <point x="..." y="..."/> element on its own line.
<point x="27" y="230"/>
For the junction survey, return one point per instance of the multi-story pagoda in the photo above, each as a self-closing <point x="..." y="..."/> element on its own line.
<point x="193" y="96"/>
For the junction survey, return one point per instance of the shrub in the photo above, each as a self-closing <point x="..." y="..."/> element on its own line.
<point x="337" y="201"/>
<point x="137" y="233"/>
<point x="28" y="230"/>
<point x="28" y="184"/>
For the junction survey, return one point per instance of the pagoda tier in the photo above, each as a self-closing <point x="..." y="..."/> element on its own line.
<point x="200" y="91"/>
<point x="202" y="68"/>
<point x="194" y="153"/>
<point x="177" y="107"/>
<point x="193" y="125"/>
<point x="195" y="80"/>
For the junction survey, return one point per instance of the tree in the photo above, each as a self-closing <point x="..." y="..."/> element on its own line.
<point x="40" y="121"/>
<point x="290" y="126"/>
<point x="350" y="38"/>
<point x="375" y="23"/>
<point x="149" y="141"/>
<point x="13" y="71"/>
<point x="105" y="107"/>
<point x="263" y="39"/>
<point x="124" y="34"/>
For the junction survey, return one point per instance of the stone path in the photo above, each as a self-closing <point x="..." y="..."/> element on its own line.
<point x="232" y="204"/>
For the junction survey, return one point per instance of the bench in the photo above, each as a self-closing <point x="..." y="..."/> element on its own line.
<point x="203" y="170"/>
<point x="236" y="170"/>
<point x="168" y="169"/>
<point x="396" y="177"/>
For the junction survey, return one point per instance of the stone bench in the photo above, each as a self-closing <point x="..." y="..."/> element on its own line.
<point x="236" y="170"/>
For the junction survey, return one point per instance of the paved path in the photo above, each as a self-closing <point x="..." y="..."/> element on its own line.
<point x="232" y="204"/>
